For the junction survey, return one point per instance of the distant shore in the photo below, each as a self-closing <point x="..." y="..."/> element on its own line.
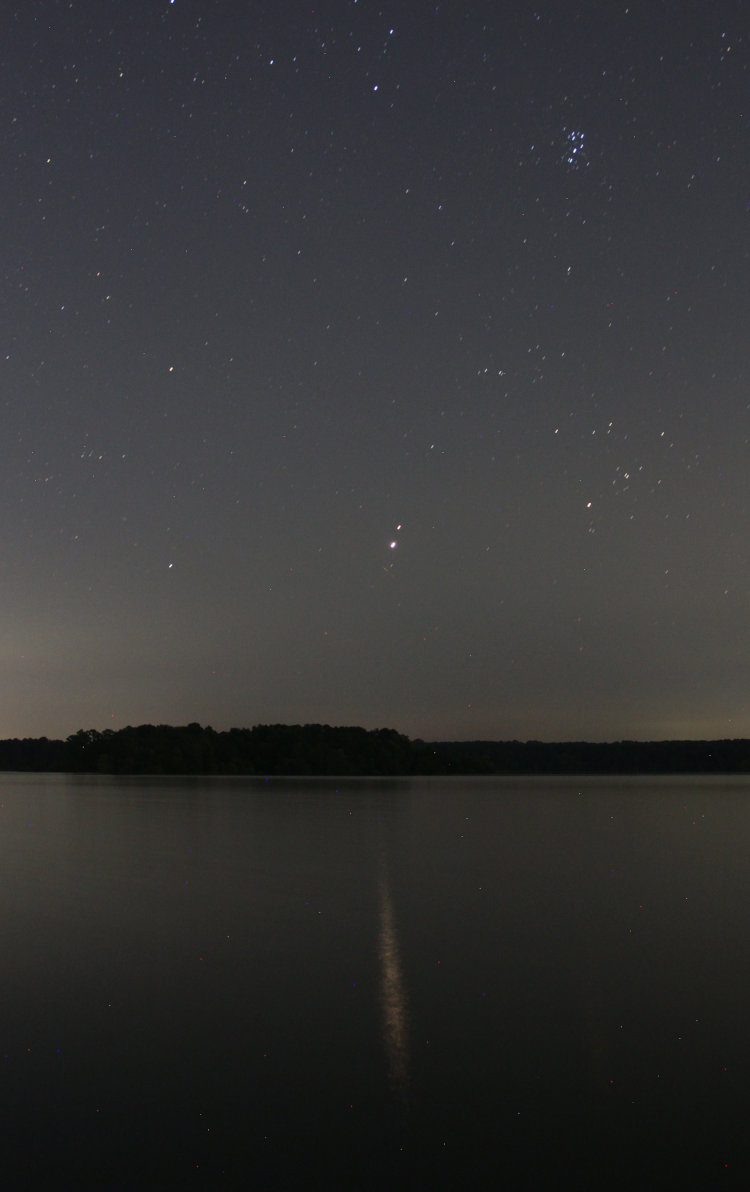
<point x="319" y="749"/>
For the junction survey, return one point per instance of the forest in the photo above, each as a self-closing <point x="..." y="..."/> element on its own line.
<point x="319" y="749"/>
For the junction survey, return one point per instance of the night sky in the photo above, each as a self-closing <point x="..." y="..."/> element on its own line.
<point x="376" y="363"/>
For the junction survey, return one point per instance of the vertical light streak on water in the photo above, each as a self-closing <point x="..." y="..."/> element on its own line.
<point x="394" y="1002"/>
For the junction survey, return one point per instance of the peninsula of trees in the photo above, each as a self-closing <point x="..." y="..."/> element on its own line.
<point x="319" y="749"/>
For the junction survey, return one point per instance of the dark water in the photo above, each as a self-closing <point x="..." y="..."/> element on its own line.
<point x="374" y="985"/>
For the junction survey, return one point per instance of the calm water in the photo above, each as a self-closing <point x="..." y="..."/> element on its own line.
<point x="374" y="984"/>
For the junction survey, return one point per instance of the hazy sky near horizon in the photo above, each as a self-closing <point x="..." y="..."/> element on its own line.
<point x="376" y="363"/>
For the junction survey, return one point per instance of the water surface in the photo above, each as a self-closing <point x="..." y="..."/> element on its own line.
<point x="374" y="984"/>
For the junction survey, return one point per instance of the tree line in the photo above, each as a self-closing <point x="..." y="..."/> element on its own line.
<point x="319" y="749"/>
<point x="193" y="749"/>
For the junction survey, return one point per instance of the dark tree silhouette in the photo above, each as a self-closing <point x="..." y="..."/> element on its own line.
<point x="318" y="749"/>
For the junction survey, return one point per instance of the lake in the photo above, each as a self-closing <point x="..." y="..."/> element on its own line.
<point x="374" y="984"/>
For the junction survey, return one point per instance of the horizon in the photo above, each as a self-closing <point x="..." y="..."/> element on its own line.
<point x="389" y="728"/>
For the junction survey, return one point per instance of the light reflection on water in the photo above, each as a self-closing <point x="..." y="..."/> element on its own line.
<point x="394" y="1002"/>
